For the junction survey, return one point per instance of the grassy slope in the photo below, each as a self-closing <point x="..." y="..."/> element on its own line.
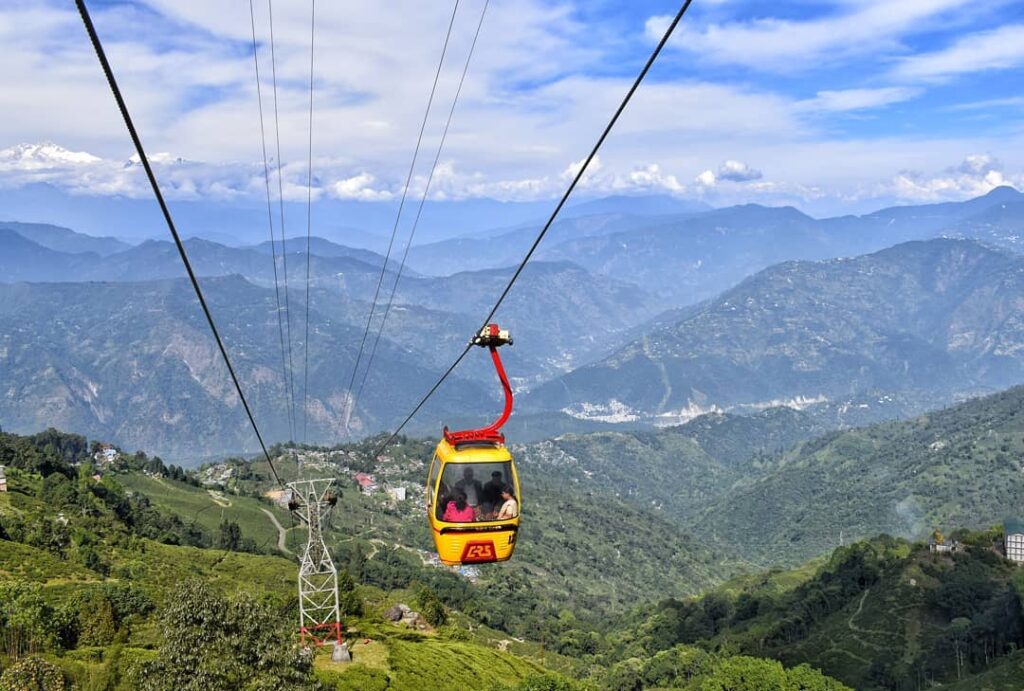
<point x="892" y="616"/>
<point x="395" y="659"/>
<point x="23" y="563"/>
<point x="199" y="505"/>
<point x="396" y="656"/>
<point x="775" y="581"/>
<point x="679" y="470"/>
<point x="875" y="615"/>
<point x="452" y="666"/>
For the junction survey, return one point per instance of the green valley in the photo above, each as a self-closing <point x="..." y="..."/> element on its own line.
<point x="112" y="574"/>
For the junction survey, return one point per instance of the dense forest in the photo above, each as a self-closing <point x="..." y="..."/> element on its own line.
<point x="104" y="589"/>
<point x="115" y="576"/>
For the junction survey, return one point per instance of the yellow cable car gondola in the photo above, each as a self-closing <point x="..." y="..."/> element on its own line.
<point x="473" y="501"/>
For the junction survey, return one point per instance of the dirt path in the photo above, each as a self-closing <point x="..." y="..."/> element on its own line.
<point x="219" y="499"/>
<point x="842" y="651"/>
<point x="664" y="376"/>
<point x="860" y="607"/>
<point x="281" y="533"/>
<point x="871" y="632"/>
<point x="377" y="541"/>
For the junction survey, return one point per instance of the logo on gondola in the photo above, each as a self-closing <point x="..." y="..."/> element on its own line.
<point x="476" y="552"/>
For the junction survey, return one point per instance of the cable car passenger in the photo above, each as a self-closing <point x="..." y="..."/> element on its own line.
<point x="458" y="509"/>
<point x="492" y="494"/>
<point x="472" y="488"/>
<point x="510" y="508"/>
<point x="444" y="496"/>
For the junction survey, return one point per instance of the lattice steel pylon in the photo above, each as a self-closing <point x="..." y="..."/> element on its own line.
<point x="319" y="616"/>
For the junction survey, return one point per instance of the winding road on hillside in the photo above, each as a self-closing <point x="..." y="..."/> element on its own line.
<point x="282" y="534"/>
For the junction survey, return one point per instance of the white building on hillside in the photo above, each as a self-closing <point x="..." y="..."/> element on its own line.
<point x="1013" y="529"/>
<point x="3" y="479"/>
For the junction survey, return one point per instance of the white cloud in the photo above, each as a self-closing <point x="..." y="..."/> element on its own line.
<point x="574" y="168"/>
<point x="858" y="99"/>
<point x="979" y="164"/>
<point x="976" y="175"/>
<point x="649" y="178"/>
<point x="729" y="171"/>
<point x="737" y="171"/>
<point x="362" y="187"/>
<point x="787" y="45"/>
<point x="986" y="104"/>
<point x="1002" y="48"/>
<point x="543" y="82"/>
<point x="707" y="179"/>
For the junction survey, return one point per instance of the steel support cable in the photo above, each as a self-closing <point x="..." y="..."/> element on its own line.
<point x="554" y="214"/>
<point x="423" y="199"/>
<point x="270" y="223"/>
<point x="309" y="231"/>
<point x="123" y="107"/>
<point x="401" y="203"/>
<point x="280" y="203"/>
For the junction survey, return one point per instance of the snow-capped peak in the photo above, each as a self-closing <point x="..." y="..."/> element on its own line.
<point x="45" y="155"/>
<point x="159" y="157"/>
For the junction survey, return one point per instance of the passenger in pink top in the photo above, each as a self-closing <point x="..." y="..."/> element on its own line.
<point x="458" y="509"/>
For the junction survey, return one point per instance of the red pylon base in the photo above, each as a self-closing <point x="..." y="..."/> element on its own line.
<point x="321" y="634"/>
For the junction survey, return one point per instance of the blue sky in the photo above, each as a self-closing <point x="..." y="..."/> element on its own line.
<point x="833" y="106"/>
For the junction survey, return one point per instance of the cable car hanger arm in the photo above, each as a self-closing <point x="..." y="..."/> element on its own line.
<point x="492" y="338"/>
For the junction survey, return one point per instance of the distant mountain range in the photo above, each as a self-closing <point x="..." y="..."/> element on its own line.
<point x="690" y="256"/>
<point x="606" y="324"/>
<point x="679" y="251"/>
<point x="356" y="223"/>
<point x="931" y="319"/>
<point x="64" y="239"/>
<point x="134" y="361"/>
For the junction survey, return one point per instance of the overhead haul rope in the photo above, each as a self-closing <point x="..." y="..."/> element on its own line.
<point x="554" y="214"/>
<point x="423" y="199"/>
<point x="280" y="203"/>
<point x="401" y="203"/>
<point x="122" y="106"/>
<point x="270" y="223"/>
<point x="309" y="230"/>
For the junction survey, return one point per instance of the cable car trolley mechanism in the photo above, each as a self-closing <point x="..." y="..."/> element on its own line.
<point x="473" y="488"/>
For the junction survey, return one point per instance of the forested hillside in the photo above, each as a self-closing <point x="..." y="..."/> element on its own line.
<point x="880" y="614"/>
<point x="955" y="467"/>
<point x="900" y="331"/>
<point x="777" y="489"/>
<point x="99" y="589"/>
<point x="108" y="588"/>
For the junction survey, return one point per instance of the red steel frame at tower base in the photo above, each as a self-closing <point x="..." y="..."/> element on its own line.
<point x="490" y="337"/>
<point x="311" y="634"/>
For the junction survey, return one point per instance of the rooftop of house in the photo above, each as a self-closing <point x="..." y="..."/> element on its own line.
<point x="364" y="480"/>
